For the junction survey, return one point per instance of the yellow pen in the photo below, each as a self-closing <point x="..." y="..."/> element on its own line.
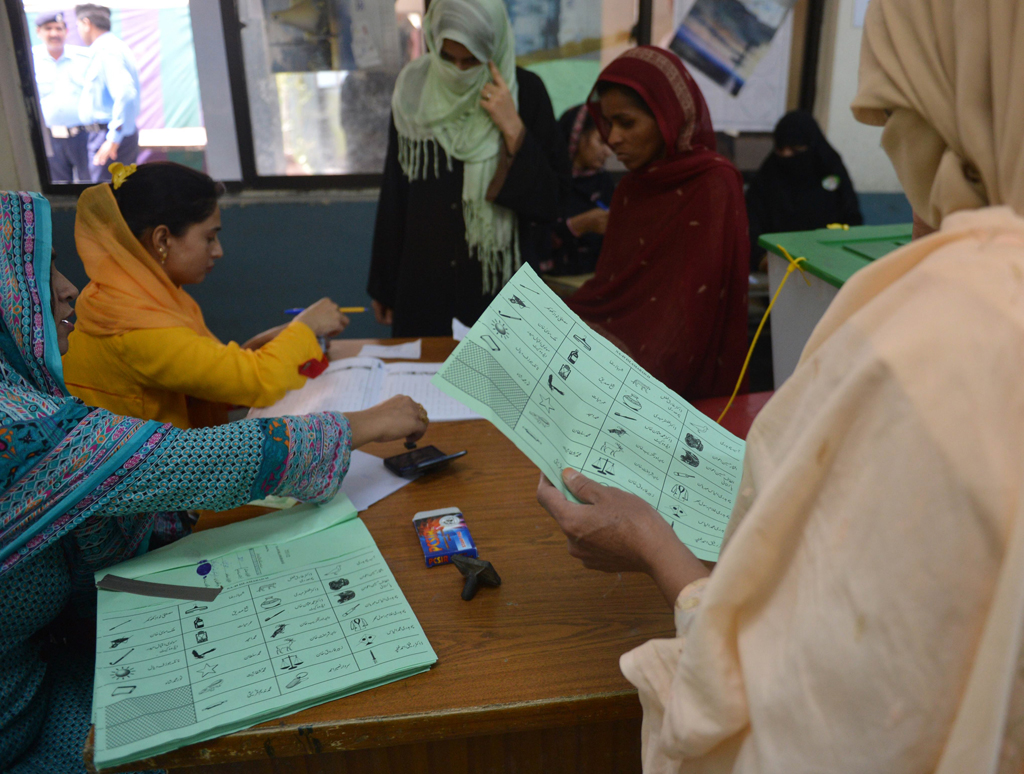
<point x="342" y="309"/>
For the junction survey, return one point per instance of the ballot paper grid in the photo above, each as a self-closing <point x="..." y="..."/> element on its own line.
<point x="569" y="398"/>
<point x="307" y="635"/>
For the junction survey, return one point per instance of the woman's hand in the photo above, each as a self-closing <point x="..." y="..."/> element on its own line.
<point x="385" y="314"/>
<point x="497" y="100"/>
<point x="614" y="531"/>
<point x="396" y="418"/>
<point x="324" y="318"/>
<point x="260" y="339"/>
<point x="593" y="221"/>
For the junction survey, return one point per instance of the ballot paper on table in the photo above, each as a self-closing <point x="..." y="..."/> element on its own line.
<point x="356" y="383"/>
<point x="309" y="613"/>
<point x="567" y="397"/>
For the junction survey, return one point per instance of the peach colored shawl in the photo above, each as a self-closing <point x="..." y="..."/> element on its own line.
<point x="944" y="78"/>
<point x="127" y="289"/>
<point x="868" y="608"/>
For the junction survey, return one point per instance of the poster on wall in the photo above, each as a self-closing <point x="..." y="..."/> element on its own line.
<point x="726" y="39"/>
<point x="763" y="100"/>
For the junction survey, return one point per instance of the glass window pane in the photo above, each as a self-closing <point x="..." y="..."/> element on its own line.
<point x="320" y="75"/>
<point x="567" y="42"/>
<point x="164" y="120"/>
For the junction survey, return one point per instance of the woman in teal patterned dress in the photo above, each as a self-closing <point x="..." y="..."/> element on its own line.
<point x="82" y="489"/>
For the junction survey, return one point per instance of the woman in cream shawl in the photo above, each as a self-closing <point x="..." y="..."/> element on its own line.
<point x="867" y="612"/>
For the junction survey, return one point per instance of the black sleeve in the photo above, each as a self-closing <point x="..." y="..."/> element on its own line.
<point x="849" y="204"/>
<point x="389" y="231"/>
<point x="758" y="219"/>
<point x="540" y="172"/>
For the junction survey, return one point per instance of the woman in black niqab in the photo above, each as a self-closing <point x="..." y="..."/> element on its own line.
<point x="802" y="185"/>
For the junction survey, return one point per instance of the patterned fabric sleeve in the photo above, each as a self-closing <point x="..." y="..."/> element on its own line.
<point x="227" y="466"/>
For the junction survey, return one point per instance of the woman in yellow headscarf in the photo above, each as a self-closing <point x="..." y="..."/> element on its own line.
<point x="141" y="346"/>
<point x="867" y="611"/>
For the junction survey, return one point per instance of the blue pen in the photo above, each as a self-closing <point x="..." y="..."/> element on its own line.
<point x="602" y="205"/>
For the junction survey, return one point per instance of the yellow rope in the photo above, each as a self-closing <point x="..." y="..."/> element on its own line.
<point x="794" y="263"/>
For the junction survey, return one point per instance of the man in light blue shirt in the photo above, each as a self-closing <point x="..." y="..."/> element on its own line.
<point x="111" y="96"/>
<point x="59" y="70"/>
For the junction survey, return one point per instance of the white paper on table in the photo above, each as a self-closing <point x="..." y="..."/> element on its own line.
<point x="459" y="329"/>
<point x="347" y="385"/>
<point x="368" y="481"/>
<point x="356" y="383"/>
<point x="414" y="380"/>
<point x="411" y="350"/>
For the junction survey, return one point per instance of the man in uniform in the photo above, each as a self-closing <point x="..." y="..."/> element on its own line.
<point x="111" y="96"/>
<point x="59" y="71"/>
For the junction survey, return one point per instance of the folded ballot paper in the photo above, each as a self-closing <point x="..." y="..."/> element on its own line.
<point x="309" y="612"/>
<point x="567" y="397"/>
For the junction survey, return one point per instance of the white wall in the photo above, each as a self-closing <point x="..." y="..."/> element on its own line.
<point x="858" y="144"/>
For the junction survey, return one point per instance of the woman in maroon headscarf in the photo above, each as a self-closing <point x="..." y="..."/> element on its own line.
<point x="671" y="282"/>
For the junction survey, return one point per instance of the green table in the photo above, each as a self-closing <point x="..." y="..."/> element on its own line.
<point x="833" y="256"/>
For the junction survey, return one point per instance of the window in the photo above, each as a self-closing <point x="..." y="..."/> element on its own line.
<point x="296" y="93"/>
<point x="567" y="42"/>
<point x="319" y="77"/>
<point x="164" y="119"/>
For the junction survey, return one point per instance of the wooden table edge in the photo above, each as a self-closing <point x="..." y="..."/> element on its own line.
<point x="277" y="739"/>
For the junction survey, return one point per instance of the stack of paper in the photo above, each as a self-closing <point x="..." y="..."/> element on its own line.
<point x="356" y="383"/>
<point x="310" y="612"/>
<point x="568" y="398"/>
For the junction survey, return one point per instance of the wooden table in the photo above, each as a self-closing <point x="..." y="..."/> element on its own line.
<point x="527" y="678"/>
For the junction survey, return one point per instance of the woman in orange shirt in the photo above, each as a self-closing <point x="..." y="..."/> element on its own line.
<point x="141" y="346"/>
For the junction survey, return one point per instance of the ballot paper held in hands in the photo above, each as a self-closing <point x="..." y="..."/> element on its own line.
<point x="567" y="397"/>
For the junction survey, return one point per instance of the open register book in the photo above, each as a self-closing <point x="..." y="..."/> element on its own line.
<point x="568" y="398"/>
<point x="356" y="383"/>
<point x="309" y="612"/>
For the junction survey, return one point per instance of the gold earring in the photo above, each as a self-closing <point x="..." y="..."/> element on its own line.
<point x="163" y="256"/>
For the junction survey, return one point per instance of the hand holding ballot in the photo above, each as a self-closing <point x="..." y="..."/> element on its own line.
<point x="614" y="531"/>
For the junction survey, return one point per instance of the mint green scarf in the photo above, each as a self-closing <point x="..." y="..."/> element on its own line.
<point x="435" y="103"/>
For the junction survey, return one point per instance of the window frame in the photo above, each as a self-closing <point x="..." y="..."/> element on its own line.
<point x="251" y="179"/>
<point x="21" y="41"/>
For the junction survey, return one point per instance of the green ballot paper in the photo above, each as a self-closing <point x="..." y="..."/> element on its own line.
<point x="309" y="612"/>
<point x="568" y="398"/>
